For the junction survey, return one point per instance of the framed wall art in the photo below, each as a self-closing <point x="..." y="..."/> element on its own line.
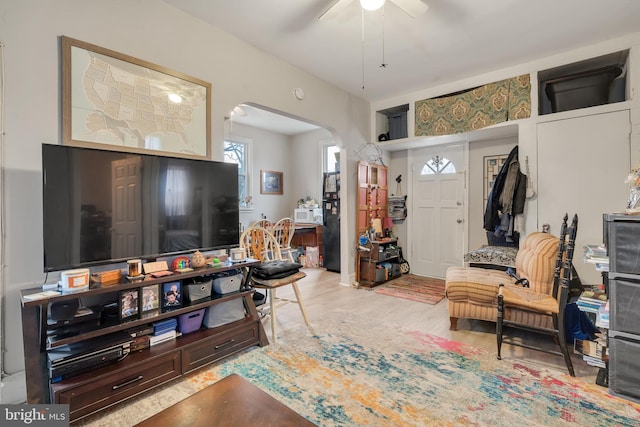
<point x="114" y="101"/>
<point x="270" y="182"/>
<point x="492" y="166"/>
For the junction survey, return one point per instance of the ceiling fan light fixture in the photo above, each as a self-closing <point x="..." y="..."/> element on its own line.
<point x="372" y="4"/>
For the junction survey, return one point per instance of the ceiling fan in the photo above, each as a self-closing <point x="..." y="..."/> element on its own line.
<point x="412" y="8"/>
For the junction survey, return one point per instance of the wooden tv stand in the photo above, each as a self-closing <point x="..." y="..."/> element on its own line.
<point x="142" y="370"/>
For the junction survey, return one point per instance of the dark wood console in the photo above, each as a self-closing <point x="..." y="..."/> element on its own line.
<point x="140" y="370"/>
<point x="372" y="263"/>
<point x="307" y="235"/>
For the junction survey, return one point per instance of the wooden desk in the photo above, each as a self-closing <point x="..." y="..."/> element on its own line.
<point x="307" y="235"/>
<point x="232" y="401"/>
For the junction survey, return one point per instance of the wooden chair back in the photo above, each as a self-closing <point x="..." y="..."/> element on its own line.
<point x="260" y="244"/>
<point x="264" y="223"/>
<point x="283" y="231"/>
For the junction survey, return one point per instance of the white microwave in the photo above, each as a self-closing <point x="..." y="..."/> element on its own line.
<point x="308" y="215"/>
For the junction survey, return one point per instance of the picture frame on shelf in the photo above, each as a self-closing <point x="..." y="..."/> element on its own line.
<point x="118" y="102"/>
<point x="271" y="182"/>
<point x="171" y="295"/>
<point x="128" y="308"/>
<point x="150" y="300"/>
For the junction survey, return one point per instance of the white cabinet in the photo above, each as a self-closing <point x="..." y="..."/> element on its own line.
<point x="583" y="163"/>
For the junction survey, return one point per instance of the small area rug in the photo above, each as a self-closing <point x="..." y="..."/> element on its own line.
<point x="414" y="288"/>
<point x="355" y="372"/>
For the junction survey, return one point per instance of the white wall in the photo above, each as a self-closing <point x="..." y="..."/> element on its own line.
<point x="155" y="32"/>
<point x="298" y="157"/>
<point x="306" y="164"/>
<point x="269" y="151"/>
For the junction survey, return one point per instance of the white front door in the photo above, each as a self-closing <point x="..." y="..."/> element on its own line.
<point x="438" y="211"/>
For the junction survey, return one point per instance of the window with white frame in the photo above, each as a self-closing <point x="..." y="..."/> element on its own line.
<point x="438" y="165"/>
<point x="330" y="157"/>
<point x="238" y="151"/>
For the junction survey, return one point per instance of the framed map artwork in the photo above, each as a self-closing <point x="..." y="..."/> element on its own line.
<point x="492" y="166"/>
<point x="127" y="104"/>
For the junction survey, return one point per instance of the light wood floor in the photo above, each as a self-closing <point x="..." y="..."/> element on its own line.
<point x="322" y="293"/>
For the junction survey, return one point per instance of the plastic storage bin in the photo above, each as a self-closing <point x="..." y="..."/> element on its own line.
<point x="198" y="289"/>
<point x="226" y="284"/>
<point x="190" y="322"/>
<point x="581" y="90"/>
<point x="621" y="238"/>
<point x="624" y="296"/>
<point x="223" y="313"/>
<point x="624" y="374"/>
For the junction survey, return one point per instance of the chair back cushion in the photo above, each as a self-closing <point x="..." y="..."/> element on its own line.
<point x="536" y="261"/>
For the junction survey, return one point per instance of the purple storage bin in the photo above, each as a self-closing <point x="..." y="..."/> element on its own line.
<point x="190" y="322"/>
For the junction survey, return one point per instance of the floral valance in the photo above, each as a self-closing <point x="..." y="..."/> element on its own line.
<point x="474" y="109"/>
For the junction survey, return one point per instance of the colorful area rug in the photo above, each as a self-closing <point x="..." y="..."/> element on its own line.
<point x="355" y="373"/>
<point x="414" y="288"/>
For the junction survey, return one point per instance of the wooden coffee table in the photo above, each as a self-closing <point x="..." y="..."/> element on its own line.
<point x="232" y="401"/>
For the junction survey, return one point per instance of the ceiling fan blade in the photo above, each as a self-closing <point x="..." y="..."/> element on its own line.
<point x="332" y="11"/>
<point x="412" y="8"/>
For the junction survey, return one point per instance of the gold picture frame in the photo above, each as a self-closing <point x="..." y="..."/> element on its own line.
<point x="492" y="166"/>
<point x="271" y="182"/>
<point x="122" y="103"/>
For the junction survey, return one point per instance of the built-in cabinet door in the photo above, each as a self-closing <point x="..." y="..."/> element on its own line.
<point x="372" y="195"/>
<point x="582" y="165"/>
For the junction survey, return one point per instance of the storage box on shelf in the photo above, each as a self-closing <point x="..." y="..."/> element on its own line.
<point x="146" y="366"/>
<point x="392" y="123"/>
<point x="595" y="81"/>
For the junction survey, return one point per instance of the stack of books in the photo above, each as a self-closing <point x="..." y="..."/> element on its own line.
<point x="597" y="255"/>
<point x="595" y="353"/>
<point x="594" y="300"/>
<point x="163" y="331"/>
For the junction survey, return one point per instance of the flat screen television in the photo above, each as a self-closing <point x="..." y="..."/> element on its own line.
<point x="103" y="207"/>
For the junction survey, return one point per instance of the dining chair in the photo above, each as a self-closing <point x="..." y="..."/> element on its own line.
<point x="283" y="231"/>
<point x="264" y="223"/>
<point x="261" y="244"/>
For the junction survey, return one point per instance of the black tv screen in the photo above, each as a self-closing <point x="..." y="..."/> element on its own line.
<point x="102" y="207"/>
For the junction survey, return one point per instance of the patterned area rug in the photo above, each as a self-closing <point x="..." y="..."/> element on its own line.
<point x="415" y="288"/>
<point x="353" y="374"/>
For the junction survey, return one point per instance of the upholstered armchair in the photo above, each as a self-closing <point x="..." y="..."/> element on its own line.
<point x="472" y="292"/>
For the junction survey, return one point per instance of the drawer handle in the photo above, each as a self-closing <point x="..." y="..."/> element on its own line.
<point x="138" y="378"/>
<point x="224" y="344"/>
